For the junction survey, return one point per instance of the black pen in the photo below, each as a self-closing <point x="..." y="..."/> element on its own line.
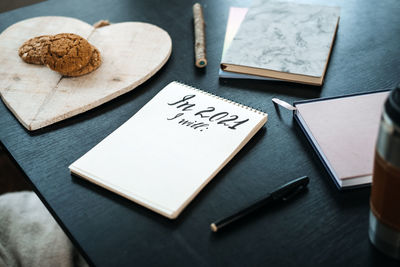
<point x="281" y="194"/>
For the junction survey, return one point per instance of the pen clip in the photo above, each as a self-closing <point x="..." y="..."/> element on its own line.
<point x="293" y="193"/>
<point x="289" y="190"/>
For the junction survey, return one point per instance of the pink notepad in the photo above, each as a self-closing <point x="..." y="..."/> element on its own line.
<point x="344" y="130"/>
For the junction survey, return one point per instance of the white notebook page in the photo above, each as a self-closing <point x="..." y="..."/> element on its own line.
<point x="171" y="148"/>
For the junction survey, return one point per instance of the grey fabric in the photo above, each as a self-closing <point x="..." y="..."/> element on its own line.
<point x="29" y="236"/>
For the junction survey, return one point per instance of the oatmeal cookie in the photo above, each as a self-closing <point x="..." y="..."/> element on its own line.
<point x="94" y="63"/>
<point x="32" y="50"/>
<point x="67" y="53"/>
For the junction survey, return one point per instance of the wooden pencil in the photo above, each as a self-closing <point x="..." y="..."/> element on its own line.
<point x="199" y="34"/>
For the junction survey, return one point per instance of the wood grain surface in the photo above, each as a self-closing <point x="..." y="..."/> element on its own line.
<point x="322" y="227"/>
<point x="131" y="53"/>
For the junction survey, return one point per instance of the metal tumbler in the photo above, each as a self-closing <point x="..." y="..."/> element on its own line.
<point x="384" y="221"/>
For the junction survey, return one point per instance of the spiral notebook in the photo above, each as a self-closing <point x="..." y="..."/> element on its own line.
<point x="171" y="148"/>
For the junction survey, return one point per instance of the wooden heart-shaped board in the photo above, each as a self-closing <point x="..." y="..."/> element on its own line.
<point x="131" y="52"/>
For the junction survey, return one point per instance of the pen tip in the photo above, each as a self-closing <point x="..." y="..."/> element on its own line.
<point x="214" y="228"/>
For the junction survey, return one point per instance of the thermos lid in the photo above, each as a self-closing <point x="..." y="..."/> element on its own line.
<point x="392" y="105"/>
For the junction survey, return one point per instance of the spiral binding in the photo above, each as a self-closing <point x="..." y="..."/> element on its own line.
<point x="221" y="98"/>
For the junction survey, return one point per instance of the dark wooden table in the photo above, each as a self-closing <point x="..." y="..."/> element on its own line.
<point x="322" y="227"/>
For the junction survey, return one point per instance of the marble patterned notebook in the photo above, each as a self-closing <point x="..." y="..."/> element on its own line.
<point x="284" y="41"/>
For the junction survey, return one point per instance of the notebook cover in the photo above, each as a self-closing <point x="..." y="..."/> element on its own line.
<point x="235" y="18"/>
<point x="315" y="146"/>
<point x="284" y="38"/>
<point x="171" y="148"/>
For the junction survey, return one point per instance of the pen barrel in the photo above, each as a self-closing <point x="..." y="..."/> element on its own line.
<point x="199" y="36"/>
<point x="282" y="194"/>
<point x="241" y="213"/>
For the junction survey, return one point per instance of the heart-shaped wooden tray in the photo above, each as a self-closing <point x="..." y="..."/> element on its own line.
<point x="132" y="52"/>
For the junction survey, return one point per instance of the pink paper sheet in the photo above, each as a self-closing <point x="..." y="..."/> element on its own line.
<point x="346" y="130"/>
